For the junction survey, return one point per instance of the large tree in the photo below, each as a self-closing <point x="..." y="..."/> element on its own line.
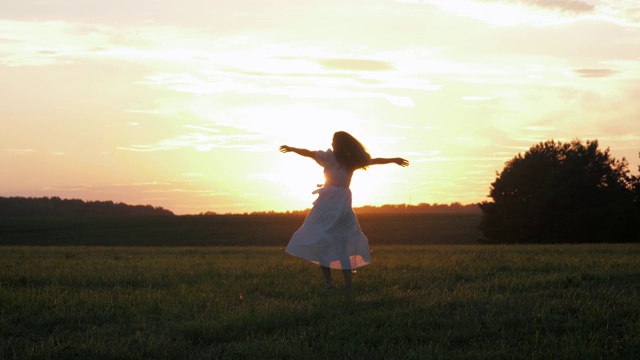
<point x="636" y="186"/>
<point x="562" y="192"/>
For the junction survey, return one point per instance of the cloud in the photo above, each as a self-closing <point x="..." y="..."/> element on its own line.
<point x="54" y="42"/>
<point x="21" y="151"/>
<point x="50" y="42"/>
<point x="202" y="128"/>
<point x="511" y="13"/>
<point x="569" y="6"/>
<point x="595" y="73"/>
<point x="539" y="128"/>
<point x="306" y="85"/>
<point x="199" y="141"/>
<point x="624" y="12"/>
<point x="182" y="61"/>
<point x="476" y="98"/>
<point x="540" y="12"/>
<point x="189" y="67"/>
<point x="355" y="64"/>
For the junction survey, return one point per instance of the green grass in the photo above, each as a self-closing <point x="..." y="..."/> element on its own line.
<point x="412" y="302"/>
<point x="231" y="230"/>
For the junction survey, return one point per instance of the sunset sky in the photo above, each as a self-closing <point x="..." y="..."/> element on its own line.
<point x="183" y="104"/>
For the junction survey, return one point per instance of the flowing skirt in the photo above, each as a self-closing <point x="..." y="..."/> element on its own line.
<point x="330" y="235"/>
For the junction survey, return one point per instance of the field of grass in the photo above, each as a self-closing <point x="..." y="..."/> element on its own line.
<point x="229" y="230"/>
<point x="412" y="302"/>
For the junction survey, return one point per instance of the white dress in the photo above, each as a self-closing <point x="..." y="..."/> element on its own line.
<point x="330" y="235"/>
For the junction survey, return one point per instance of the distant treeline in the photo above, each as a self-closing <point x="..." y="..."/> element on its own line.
<point x="395" y="209"/>
<point x="54" y="206"/>
<point x="422" y="208"/>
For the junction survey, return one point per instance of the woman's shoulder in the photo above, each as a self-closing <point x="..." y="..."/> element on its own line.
<point x="324" y="154"/>
<point x="324" y="157"/>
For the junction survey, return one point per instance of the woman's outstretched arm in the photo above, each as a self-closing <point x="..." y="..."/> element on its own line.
<point x="398" y="161"/>
<point x="302" y="152"/>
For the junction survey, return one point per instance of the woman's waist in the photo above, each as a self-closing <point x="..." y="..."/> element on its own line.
<point x="330" y="187"/>
<point x="337" y="178"/>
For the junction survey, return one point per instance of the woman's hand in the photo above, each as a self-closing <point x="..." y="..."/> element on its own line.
<point x="402" y="162"/>
<point x="301" y="152"/>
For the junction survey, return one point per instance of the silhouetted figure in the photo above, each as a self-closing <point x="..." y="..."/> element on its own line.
<point x="330" y="235"/>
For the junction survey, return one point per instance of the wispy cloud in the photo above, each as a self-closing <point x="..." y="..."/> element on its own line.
<point x="570" y="6"/>
<point x="540" y="12"/>
<point x="623" y="12"/>
<point x="200" y="142"/>
<point x="21" y="151"/>
<point x="40" y="43"/>
<point x="595" y="73"/>
<point x="307" y="86"/>
<point x="50" y="42"/>
<point x="211" y="67"/>
<point x="356" y="64"/>
<point x="476" y="98"/>
<point x="540" y="128"/>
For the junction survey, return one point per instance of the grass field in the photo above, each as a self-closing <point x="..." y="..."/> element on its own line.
<point x="412" y="302"/>
<point x="229" y="230"/>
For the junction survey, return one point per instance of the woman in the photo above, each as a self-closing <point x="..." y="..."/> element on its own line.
<point x="330" y="235"/>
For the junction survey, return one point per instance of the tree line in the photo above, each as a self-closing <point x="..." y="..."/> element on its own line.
<point x="55" y="206"/>
<point x="391" y="209"/>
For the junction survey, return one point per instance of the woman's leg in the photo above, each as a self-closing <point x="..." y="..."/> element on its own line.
<point x="326" y="272"/>
<point x="347" y="279"/>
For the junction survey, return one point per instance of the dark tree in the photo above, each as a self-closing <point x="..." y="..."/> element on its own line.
<point x="636" y="187"/>
<point x="562" y="192"/>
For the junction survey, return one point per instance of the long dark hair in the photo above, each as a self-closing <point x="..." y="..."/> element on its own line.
<point x="349" y="152"/>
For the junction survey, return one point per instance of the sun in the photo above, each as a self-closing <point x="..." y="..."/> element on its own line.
<point x="369" y="186"/>
<point x="297" y="179"/>
<point x="294" y="179"/>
